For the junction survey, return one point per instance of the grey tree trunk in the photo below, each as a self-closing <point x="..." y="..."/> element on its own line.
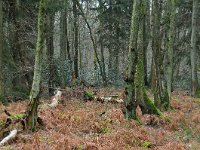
<point x="193" y="54"/>
<point x="63" y="46"/>
<point x="75" y="13"/>
<point x="1" y="54"/>
<point x="170" y="45"/>
<point x="161" y="99"/>
<point x="32" y="108"/>
<point x="50" y="51"/>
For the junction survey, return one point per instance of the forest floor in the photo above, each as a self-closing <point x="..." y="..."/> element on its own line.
<point x="76" y="124"/>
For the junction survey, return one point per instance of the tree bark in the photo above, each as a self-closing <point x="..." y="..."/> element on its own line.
<point x="161" y="99"/>
<point x="32" y="108"/>
<point x="135" y="90"/>
<point x="193" y="54"/>
<point x="63" y="46"/>
<point x="170" y="45"/>
<point x="75" y="13"/>
<point x="50" y="51"/>
<point x="1" y="53"/>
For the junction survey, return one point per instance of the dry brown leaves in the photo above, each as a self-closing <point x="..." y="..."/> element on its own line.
<point x="101" y="126"/>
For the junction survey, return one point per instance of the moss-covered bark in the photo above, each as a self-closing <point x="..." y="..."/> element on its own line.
<point x="34" y="94"/>
<point x="135" y="90"/>
<point x="130" y="101"/>
<point x="160" y="87"/>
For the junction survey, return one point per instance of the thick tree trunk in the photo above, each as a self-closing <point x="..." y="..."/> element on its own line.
<point x="135" y="90"/>
<point x="34" y="94"/>
<point x="15" y="43"/>
<point x="161" y="99"/>
<point x="193" y="54"/>
<point x="144" y="102"/>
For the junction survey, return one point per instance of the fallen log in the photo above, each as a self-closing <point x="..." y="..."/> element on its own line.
<point x="11" y="136"/>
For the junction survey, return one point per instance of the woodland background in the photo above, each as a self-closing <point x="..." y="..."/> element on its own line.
<point x="100" y="64"/>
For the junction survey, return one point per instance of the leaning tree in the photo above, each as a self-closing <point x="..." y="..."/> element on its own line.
<point x="34" y="94"/>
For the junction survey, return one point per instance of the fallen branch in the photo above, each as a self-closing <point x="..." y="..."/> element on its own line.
<point x="11" y="136"/>
<point x="112" y="98"/>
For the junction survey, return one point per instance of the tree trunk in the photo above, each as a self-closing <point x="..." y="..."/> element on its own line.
<point x="63" y="46"/>
<point x="15" y="44"/>
<point x="161" y="99"/>
<point x="1" y="54"/>
<point x="193" y="54"/>
<point x="50" y="51"/>
<point x="96" y="58"/>
<point x="75" y="13"/>
<point x="130" y="101"/>
<point x="102" y="46"/>
<point x="135" y="90"/>
<point x="170" y="46"/>
<point x="34" y="94"/>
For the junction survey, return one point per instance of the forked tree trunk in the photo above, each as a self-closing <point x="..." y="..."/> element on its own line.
<point x="32" y="108"/>
<point x="135" y="90"/>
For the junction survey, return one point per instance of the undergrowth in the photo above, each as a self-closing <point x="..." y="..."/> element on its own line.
<point x="77" y="124"/>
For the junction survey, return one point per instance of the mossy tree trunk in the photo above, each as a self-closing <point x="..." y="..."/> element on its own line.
<point x="170" y="45"/>
<point x="193" y="54"/>
<point x="1" y="53"/>
<point x="161" y="98"/>
<point x="34" y="94"/>
<point x="135" y="90"/>
<point x="130" y="100"/>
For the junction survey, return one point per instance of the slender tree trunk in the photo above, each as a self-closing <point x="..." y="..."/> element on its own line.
<point x="1" y="54"/>
<point x="63" y="45"/>
<point x="103" y="63"/>
<point x="96" y="58"/>
<point x="146" y="29"/>
<point x="170" y="43"/>
<point x="50" y="51"/>
<point x="32" y="108"/>
<point x="102" y="46"/>
<point x="193" y="54"/>
<point x="75" y="13"/>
